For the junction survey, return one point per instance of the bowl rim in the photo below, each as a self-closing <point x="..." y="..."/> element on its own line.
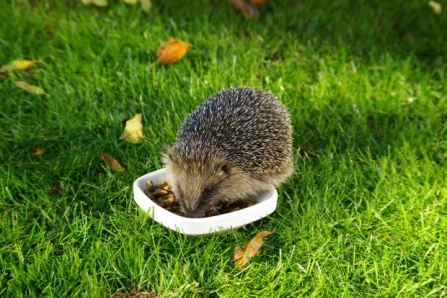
<point x="266" y="204"/>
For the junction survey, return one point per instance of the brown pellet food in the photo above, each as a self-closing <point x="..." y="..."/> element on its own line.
<point x="160" y="192"/>
<point x="150" y="185"/>
<point x="162" y="195"/>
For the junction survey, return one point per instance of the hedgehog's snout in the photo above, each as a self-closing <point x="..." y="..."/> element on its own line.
<point x="191" y="215"/>
<point x="196" y="213"/>
<point x="190" y="210"/>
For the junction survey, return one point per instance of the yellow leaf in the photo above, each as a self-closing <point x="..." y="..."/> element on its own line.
<point x="437" y="9"/>
<point x="241" y="257"/>
<point x="172" y="50"/>
<point x="131" y="2"/>
<point x="30" y="88"/>
<point x="111" y="163"/>
<point x="133" y="131"/>
<point x="38" y="151"/>
<point x="19" y="65"/>
<point x="146" y="5"/>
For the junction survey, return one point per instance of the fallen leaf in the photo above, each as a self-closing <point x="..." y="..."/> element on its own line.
<point x="3" y="75"/>
<point x="146" y="5"/>
<point x="30" y="88"/>
<point x="19" y="65"/>
<point x="100" y="3"/>
<point x="437" y="9"/>
<point x="111" y="163"/>
<point x="241" y="257"/>
<point x="172" y="50"/>
<point x="133" y="131"/>
<point x="258" y="3"/>
<point x="238" y="257"/>
<point x="38" y="151"/>
<point x="248" y="10"/>
<point x="144" y="295"/>
<point x="57" y="187"/>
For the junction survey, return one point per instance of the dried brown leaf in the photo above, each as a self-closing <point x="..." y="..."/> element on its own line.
<point x="38" y="151"/>
<point x="241" y="257"/>
<point x="111" y="163"/>
<point x="144" y="295"/>
<point x="172" y="50"/>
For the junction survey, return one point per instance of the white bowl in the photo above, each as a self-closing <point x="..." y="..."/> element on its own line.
<point x="266" y="204"/>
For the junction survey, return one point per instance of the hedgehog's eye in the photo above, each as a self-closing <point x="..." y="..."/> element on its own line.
<point x="224" y="169"/>
<point x="207" y="190"/>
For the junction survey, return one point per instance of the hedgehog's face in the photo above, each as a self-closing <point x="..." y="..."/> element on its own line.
<point x="196" y="184"/>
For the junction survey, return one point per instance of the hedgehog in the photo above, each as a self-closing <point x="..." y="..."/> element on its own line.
<point x="234" y="146"/>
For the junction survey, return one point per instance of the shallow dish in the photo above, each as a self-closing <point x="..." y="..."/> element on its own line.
<point x="266" y="204"/>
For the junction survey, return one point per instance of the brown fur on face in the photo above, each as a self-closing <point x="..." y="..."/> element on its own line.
<point x="201" y="184"/>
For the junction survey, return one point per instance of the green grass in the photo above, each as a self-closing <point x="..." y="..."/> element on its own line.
<point x="365" y="214"/>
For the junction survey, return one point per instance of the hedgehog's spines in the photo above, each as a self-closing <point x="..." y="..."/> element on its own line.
<point x="248" y="130"/>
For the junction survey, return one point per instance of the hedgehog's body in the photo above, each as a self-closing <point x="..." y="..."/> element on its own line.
<point x="235" y="145"/>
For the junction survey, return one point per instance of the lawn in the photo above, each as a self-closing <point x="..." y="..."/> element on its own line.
<point x="365" y="214"/>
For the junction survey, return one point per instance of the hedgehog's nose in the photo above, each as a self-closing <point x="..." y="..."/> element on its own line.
<point x="192" y="214"/>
